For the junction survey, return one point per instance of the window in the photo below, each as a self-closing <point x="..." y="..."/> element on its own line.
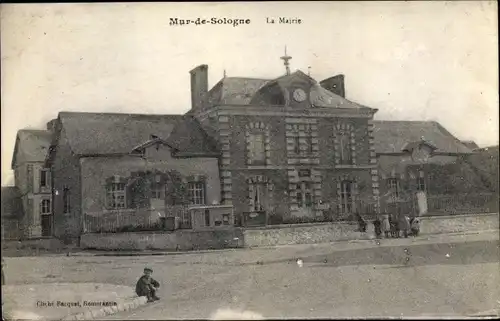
<point x="157" y="188"/>
<point x="346" y="199"/>
<point x="196" y="192"/>
<point x="116" y="195"/>
<point x="258" y="197"/>
<point x="345" y="148"/>
<point x="44" y="177"/>
<point x="304" y="173"/>
<point x="421" y="182"/>
<point x="304" y="195"/>
<point x="306" y="144"/>
<point x="225" y="219"/>
<point x="309" y="149"/>
<point x="30" y="177"/>
<point x="393" y="186"/>
<point x="257" y="148"/>
<point x="45" y="207"/>
<point x="66" y="200"/>
<point x="296" y="144"/>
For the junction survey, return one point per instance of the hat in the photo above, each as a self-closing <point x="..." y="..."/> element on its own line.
<point x="148" y="269"/>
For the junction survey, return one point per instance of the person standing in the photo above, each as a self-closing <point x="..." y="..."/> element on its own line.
<point x="415" y="226"/>
<point x="404" y="224"/>
<point x="386" y="225"/>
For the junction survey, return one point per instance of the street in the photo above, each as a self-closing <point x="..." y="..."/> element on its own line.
<point x="449" y="275"/>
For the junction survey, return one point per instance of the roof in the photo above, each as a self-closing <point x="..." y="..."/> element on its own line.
<point x="31" y="146"/>
<point x="411" y="146"/>
<point x="240" y="91"/>
<point x="111" y="133"/>
<point x="392" y="136"/>
<point x="235" y="90"/>
<point x="470" y="144"/>
<point x="12" y="206"/>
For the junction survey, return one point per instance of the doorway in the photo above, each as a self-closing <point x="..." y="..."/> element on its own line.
<point x="47" y="224"/>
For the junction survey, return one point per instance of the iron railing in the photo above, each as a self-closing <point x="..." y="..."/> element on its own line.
<point x="130" y="220"/>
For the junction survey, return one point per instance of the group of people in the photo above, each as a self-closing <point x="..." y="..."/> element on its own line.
<point x="390" y="227"/>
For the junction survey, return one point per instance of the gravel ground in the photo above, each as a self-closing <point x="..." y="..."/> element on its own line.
<point x="451" y="275"/>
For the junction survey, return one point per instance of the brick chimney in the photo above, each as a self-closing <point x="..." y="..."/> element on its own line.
<point x="199" y="87"/>
<point x="335" y="84"/>
<point x="51" y="125"/>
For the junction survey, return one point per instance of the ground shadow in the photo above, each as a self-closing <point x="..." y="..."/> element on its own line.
<point x="404" y="255"/>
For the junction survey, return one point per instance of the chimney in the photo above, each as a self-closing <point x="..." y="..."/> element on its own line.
<point x="51" y="125"/>
<point x="199" y="87"/>
<point x="335" y="84"/>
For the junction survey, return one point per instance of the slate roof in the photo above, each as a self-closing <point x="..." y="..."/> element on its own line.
<point x="470" y="144"/>
<point x="392" y="136"/>
<point x="31" y="145"/>
<point x="112" y="133"/>
<point x="240" y="91"/>
<point x="12" y="206"/>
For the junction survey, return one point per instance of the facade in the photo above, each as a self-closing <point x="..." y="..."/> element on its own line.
<point x="125" y="167"/>
<point x="248" y="152"/>
<point x="290" y="147"/>
<point x="408" y="154"/>
<point x="33" y="181"/>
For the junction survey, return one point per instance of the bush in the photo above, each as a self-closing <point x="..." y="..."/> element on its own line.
<point x="305" y="219"/>
<point x="275" y="219"/>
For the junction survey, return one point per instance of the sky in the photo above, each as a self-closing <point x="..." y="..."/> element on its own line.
<point x="430" y="60"/>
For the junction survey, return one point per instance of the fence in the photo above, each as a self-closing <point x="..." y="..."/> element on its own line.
<point x="133" y="220"/>
<point x="446" y="204"/>
<point x="462" y="203"/>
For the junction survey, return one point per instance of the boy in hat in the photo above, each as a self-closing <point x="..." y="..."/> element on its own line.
<point x="147" y="286"/>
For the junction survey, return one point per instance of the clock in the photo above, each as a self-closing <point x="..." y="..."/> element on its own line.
<point x="299" y="95"/>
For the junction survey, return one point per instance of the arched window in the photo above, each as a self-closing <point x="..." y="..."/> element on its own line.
<point x="45" y="207"/>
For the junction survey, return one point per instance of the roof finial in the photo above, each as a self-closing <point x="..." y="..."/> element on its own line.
<point x="224" y="73"/>
<point x="309" y="71"/>
<point x="285" y="59"/>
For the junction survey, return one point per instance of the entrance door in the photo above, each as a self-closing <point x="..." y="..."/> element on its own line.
<point x="47" y="225"/>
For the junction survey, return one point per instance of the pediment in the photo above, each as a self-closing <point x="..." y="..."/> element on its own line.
<point x="155" y="143"/>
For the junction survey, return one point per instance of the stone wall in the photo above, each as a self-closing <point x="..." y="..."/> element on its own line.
<point x="180" y="240"/>
<point x="272" y="236"/>
<point x="459" y="223"/>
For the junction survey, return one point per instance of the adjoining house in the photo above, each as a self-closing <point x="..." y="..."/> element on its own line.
<point x="127" y="168"/>
<point x="12" y="213"/>
<point x="33" y="181"/>
<point x="423" y="158"/>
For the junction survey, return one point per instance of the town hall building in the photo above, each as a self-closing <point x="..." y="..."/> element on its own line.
<point x="248" y="152"/>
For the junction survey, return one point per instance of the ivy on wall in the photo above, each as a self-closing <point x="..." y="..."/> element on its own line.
<point x="140" y="188"/>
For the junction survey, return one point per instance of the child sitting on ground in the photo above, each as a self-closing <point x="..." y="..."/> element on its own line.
<point x="147" y="286"/>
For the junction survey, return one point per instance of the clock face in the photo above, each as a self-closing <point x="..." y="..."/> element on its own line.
<point x="299" y="95"/>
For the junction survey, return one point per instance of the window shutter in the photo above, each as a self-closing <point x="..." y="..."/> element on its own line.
<point x="30" y="177"/>
<point x="129" y="195"/>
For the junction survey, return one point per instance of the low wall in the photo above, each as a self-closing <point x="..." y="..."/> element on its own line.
<point x="331" y="232"/>
<point x="180" y="240"/>
<point x="183" y="240"/>
<point x="459" y="223"/>
<point x="300" y="234"/>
